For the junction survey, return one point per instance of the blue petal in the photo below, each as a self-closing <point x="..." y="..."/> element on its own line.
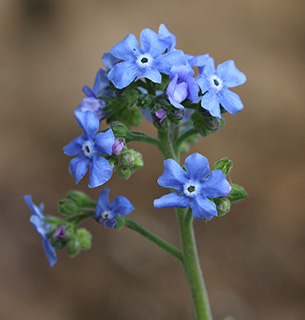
<point x="92" y="104"/>
<point x="197" y="166"/>
<point x="88" y="122"/>
<point x="88" y="92"/>
<point x="230" y="101"/>
<point x="168" y="37"/>
<point x="215" y="185"/>
<point x="208" y="69"/>
<point x="193" y="89"/>
<point x="102" y="204"/>
<point x="123" y="73"/>
<point x="210" y="102"/>
<point x="78" y="167"/>
<point x="199" y="61"/>
<point x="35" y="209"/>
<point x="41" y="227"/>
<point x="172" y="200"/>
<point x="151" y="74"/>
<point x="104" y="142"/>
<point x="183" y="72"/>
<point x="75" y="146"/>
<point x="203" y="208"/>
<point x="173" y="176"/>
<point x="167" y="60"/>
<point x="50" y="251"/>
<point x="121" y="206"/>
<point x="203" y="83"/>
<point x="125" y="50"/>
<point x="150" y="43"/>
<point x="109" y="60"/>
<point x="230" y="75"/>
<point x="100" y="172"/>
<point x="101" y="82"/>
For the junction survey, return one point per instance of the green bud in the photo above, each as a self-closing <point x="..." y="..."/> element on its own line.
<point x="132" y="159"/>
<point x="237" y="193"/>
<point x="73" y="246"/>
<point x="131" y="117"/>
<point x="81" y="199"/>
<point x="223" y="206"/>
<point x="125" y="172"/>
<point x="144" y="101"/>
<point x="119" y="129"/>
<point x="120" y="222"/>
<point x="84" y="237"/>
<point x="67" y="207"/>
<point x="224" y="164"/>
<point x="205" y="123"/>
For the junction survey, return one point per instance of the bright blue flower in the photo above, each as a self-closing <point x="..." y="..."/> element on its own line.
<point x="215" y="84"/>
<point x="167" y="37"/>
<point x="142" y="62"/>
<point x="107" y="213"/>
<point x="182" y="85"/>
<point x="109" y="61"/>
<point x="89" y="149"/>
<point x="43" y="228"/>
<point x="195" y="186"/>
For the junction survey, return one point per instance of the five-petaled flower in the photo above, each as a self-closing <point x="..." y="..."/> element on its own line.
<point x="43" y="228"/>
<point x="90" y="148"/>
<point x="215" y="84"/>
<point x="195" y="186"/>
<point x="142" y="62"/>
<point x="107" y="213"/>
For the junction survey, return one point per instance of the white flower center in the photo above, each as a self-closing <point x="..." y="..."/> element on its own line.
<point x="144" y="60"/>
<point x="88" y="149"/>
<point x="216" y="83"/>
<point x="105" y="215"/>
<point x="191" y="189"/>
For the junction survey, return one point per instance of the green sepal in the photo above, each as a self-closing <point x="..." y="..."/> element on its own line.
<point x="119" y="129"/>
<point x="205" y="123"/>
<point x="125" y="172"/>
<point x="67" y="207"/>
<point x="120" y="223"/>
<point x="80" y="199"/>
<point x="145" y="101"/>
<point x="114" y="162"/>
<point x="223" y="206"/>
<point x="224" y="164"/>
<point x="84" y="237"/>
<point x="237" y="193"/>
<point x="132" y="159"/>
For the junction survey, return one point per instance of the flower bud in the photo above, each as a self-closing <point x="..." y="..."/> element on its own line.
<point x="223" y="206"/>
<point x="225" y="165"/>
<point x="160" y="115"/>
<point x="67" y="207"/>
<point x="117" y="147"/>
<point x="80" y="199"/>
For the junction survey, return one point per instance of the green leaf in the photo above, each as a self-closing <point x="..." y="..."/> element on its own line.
<point x="225" y="165"/>
<point x="238" y="193"/>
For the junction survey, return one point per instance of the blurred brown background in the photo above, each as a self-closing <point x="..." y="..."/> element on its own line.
<point x="252" y="259"/>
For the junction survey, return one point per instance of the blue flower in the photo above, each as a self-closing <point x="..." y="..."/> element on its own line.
<point x="89" y="149"/>
<point x="142" y="62"/>
<point x="181" y="86"/>
<point x="43" y="228"/>
<point x="107" y="212"/>
<point x="195" y="186"/>
<point x="100" y="89"/>
<point x="215" y="84"/>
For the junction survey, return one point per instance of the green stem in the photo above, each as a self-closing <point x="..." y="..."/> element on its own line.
<point x="192" y="266"/>
<point x="134" y="136"/>
<point x="189" y="250"/>
<point x="182" y="138"/>
<point x="154" y="238"/>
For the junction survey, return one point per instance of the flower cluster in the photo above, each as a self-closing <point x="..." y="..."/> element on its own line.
<point x="154" y="79"/>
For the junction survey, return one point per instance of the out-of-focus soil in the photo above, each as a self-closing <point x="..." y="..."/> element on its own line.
<point x="253" y="259"/>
